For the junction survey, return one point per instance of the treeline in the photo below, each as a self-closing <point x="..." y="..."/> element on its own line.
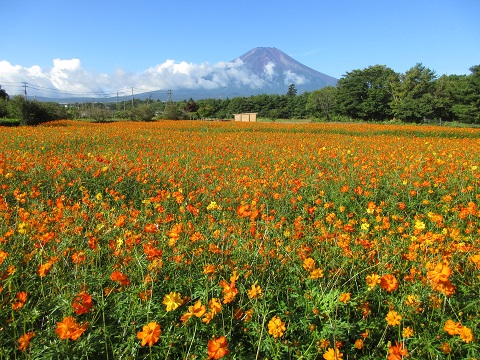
<point x="376" y="93"/>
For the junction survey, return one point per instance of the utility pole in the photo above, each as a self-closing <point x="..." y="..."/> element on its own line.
<point x="25" y="89"/>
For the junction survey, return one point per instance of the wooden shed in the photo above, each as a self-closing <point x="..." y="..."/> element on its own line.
<point x="245" y="117"/>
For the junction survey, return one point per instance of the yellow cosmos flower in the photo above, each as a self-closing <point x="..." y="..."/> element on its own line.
<point x="407" y="332"/>
<point x="372" y="280"/>
<point x="172" y="301"/>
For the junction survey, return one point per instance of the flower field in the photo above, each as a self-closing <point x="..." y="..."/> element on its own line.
<point x="196" y="240"/>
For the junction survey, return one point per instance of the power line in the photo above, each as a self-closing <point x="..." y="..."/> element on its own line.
<point x="40" y="90"/>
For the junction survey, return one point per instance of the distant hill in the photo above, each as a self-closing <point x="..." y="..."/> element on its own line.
<point x="262" y="70"/>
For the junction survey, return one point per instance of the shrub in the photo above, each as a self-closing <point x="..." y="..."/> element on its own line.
<point x="34" y="112"/>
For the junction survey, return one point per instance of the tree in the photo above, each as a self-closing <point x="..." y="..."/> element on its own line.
<point x="444" y="96"/>
<point x="322" y="102"/>
<point x="274" y="114"/>
<point x="366" y="94"/>
<point x="97" y="113"/>
<point x="173" y="112"/>
<point x="4" y="95"/>
<point x="414" y="99"/>
<point x="292" y="91"/>
<point x="3" y="103"/>
<point x="3" y="108"/>
<point x="467" y="97"/>
<point x="143" y="112"/>
<point x="191" y="106"/>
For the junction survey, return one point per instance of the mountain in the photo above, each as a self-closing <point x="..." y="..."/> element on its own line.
<point x="278" y="71"/>
<point x="262" y="70"/>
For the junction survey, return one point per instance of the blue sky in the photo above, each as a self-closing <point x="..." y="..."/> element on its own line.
<point x="93" y="45"/>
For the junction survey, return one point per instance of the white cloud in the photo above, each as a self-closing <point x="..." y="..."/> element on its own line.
<point x="67" y="77"/>
<point x="72" y="64"/>
<point x="292" y="78"/>
<point x="269" y="70"/>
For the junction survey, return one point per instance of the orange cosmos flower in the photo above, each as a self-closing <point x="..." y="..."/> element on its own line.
<point x="248" y="315"/>
<point x="68" y="328"/>
<point x="44" y="269"/>
<point x="78" y="257"/>
<point x="24" y="341"/>
<point x="309" y="264"/>
<point x="333" y="354"/>
<point x="393" y="318"/>
<point x="215" y="305"/>
<point x="209" y="269"/>
<point x="389" y="282"/>
<point x="207" y="318"/>
<point x="149" y="334"/>
<point x="197" y="310"/>
<point x="446" y="287"/>
<point x="344" y="297"/>
<point x="440" y="273"/>
<point x="217" y="348"/>
<point x="244" y="211"/>
<point x="150" y="228"/>
<point x="186" y="316"/>
<point x="3" y="256"/>
<point x="276" y="327"/>
<point x="358" y="344"/>
<point x="397" y="351"/>
<point x="255" y="292"/>
<point x="21" y="298"/>
<point x="82" y="303"/>
<point x="371" y="207"/>
<point x="316" y="274"/>
<point x="229" y="291"/>
<point x="455" y="328"/>
<point x="120" y="277"/>
<point x="473" y="258"/>
<point x="172" y="301"/>
<point x="151" y="252"/>
<point x="445" y="347"/>
<point x="466" y="334"/>
<point x="145" y="295"/>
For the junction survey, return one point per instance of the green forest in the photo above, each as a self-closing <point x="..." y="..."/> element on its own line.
<point x="376" y="93"/>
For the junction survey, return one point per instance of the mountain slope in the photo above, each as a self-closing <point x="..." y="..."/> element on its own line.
<point x="278" y="70"/>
